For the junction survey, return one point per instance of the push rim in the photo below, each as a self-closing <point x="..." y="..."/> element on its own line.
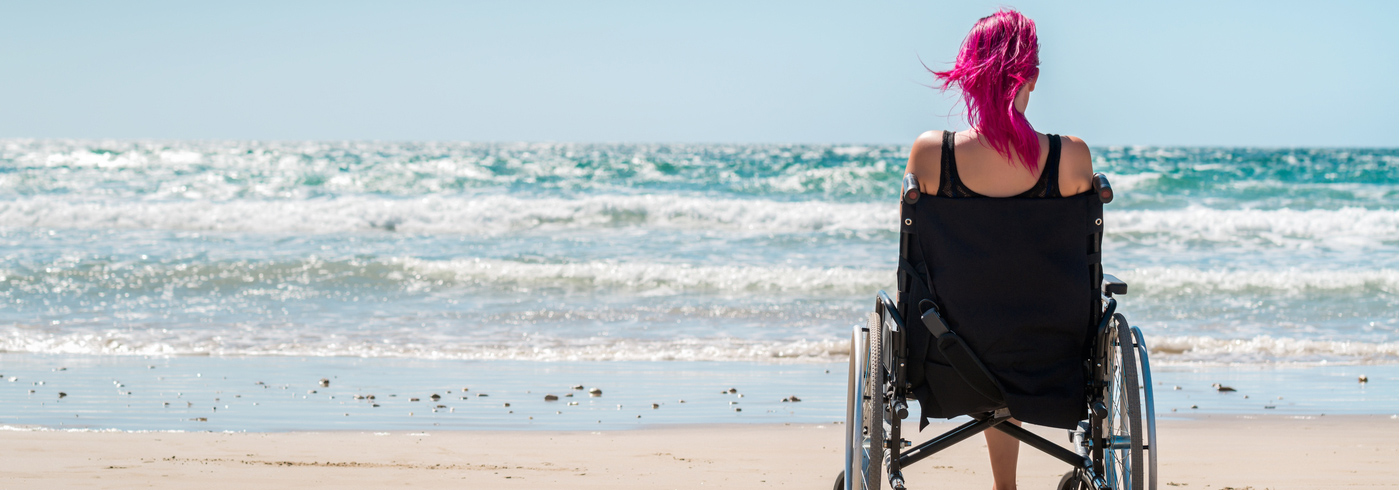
<point x="1150" y="444"/>
<point x="1122" y="452"/>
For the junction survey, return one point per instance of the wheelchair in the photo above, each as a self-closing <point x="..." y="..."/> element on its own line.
<point x="1002" y="310"/>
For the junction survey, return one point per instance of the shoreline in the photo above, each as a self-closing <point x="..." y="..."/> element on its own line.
<point x="285" y="395"/>
<point x="1205" y="452"/>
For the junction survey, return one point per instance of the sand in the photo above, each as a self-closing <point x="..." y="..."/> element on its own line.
<point x="1206" y="452"/>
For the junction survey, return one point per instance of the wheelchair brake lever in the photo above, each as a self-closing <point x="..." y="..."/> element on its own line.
<point x="932" y="320"/>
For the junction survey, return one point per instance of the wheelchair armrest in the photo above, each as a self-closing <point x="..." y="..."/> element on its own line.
<point x="1113" y="285"/>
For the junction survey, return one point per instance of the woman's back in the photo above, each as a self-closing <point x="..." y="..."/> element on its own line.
<point x="985" y="172"/>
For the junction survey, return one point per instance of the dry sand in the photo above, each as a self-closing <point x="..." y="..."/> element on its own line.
<point x="1214" y="453"/>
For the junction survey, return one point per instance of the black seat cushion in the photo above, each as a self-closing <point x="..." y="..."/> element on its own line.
<point x="1018" y="280"/>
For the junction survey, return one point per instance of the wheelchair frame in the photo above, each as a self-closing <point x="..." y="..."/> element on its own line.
<point x="1109" y="444"/>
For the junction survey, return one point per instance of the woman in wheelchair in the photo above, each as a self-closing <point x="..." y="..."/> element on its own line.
<point x="1003" y="312"/>
<point x="1002" y="155"/>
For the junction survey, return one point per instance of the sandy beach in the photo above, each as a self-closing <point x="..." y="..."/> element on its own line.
<point x="1202" y="452"/>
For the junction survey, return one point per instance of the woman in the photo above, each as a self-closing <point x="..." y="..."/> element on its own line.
<point x="1001" y="155"/>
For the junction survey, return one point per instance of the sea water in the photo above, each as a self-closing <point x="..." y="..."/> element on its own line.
<point x="742" y="254"/>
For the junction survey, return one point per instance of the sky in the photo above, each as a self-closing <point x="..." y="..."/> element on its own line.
<point x="1192" y="73"/>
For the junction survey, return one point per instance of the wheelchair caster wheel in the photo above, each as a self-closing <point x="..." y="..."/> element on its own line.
<point x="1070" y="481"/>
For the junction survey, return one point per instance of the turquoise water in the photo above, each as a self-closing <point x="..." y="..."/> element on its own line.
<point x="560" y="252"/>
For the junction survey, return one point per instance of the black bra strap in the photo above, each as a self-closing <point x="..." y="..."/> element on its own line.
<point x="949" y="167"/>
<point x="1052" y="167"/>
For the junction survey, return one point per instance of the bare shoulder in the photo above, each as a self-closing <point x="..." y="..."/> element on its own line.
<point x="1076" y="166"/>
<point x="926" y="159"/>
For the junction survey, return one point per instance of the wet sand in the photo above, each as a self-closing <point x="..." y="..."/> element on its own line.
<point x="1212" y="452"/>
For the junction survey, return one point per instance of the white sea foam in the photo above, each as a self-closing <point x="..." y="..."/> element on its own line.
<point x="655" y="277"/>
<point x="1170" y="280"/>
<point x="1165" y="350"/>
<point x="1277" y="227"/>
<point x="539" y="348"/>
<point x="501" y="214"/>
<point x="646" y="277"/>
<point x="1266" y="349"/>
<point x="486" y="215"/>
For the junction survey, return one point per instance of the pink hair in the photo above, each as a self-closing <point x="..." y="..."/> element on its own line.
<point x="1000" y="55"/>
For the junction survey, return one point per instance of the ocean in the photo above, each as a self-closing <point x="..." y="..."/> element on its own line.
<point x="703" y="255"/>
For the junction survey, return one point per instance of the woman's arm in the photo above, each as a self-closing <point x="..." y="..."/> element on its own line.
<point x="1076" y="167"/>
<point x="926" y="159"/>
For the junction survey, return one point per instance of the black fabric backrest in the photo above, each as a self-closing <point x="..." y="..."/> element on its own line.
<point x="1018" y="280"/>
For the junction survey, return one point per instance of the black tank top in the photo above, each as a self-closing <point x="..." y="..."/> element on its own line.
<point x="950" y="185"/>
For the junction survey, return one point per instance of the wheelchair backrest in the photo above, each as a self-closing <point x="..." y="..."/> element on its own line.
<point x="1018" y="279"/>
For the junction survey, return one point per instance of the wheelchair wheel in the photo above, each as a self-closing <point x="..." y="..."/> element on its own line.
<point x="1150" y="409"/>
<point x="874" y="404"/>
<point x="864" y="406"/>
<point x="1121" y="429"/>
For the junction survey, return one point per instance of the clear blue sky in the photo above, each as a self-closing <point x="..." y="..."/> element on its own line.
<point x="1236" y="73"/>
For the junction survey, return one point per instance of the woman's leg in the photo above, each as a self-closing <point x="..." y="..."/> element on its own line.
<point x="1003" y="450"/>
